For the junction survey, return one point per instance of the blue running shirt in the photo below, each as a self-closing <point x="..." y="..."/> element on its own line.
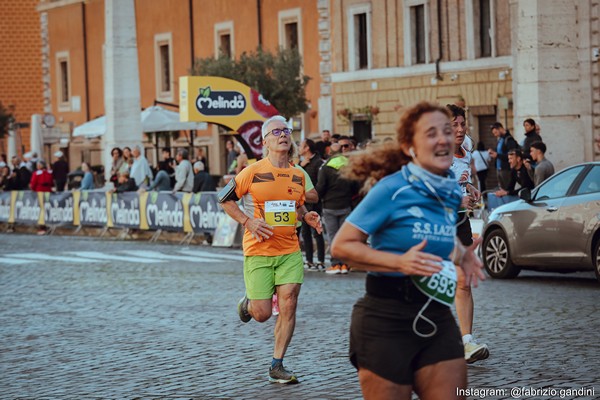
<point x="401" y="210"/>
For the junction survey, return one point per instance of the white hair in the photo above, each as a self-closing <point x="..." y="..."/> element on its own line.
<point x="272" y="119"/>
<point x="199" y="165"/>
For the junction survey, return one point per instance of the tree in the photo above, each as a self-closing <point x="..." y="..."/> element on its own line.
<point x="6" y="116"/>
<point x="276" y="76"/>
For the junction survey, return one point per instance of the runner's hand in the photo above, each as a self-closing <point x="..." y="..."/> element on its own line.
<point x="259" y="229"/>
<point x="314" y="220"/>
<point x="417" y="262"/>
<point x="472" y="265"/>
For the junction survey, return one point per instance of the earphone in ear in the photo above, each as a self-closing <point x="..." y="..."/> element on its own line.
<point x="411" y="151"/>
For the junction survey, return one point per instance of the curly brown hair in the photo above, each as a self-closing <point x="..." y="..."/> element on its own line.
<point x="378" y="161"/>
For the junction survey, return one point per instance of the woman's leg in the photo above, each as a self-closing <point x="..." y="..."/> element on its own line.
<point x="441" y="380"/>
<point x="374" y="387"/>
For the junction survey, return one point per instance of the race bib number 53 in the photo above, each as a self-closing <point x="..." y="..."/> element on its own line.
<point x="280" y="213"/>
<point x="441" y="286"/>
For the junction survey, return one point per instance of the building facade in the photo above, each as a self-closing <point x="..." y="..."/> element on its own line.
<point x="504" y="60"/>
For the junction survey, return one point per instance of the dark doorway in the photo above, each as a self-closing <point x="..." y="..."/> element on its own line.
<point x="362" y="130"/>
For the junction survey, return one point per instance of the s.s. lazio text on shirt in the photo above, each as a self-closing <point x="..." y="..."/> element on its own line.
<point x="433" y="232"/>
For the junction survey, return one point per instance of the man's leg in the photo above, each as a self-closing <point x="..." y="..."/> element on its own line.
<point x="286" y="322"/>
<point x="464" y="300"/>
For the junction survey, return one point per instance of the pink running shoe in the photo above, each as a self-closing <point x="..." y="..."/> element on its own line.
<point x="275" y="305"/>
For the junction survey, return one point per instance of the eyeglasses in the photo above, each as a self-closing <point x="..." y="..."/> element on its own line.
<point x="345" y="146"/>
<point x="277" y="132"/>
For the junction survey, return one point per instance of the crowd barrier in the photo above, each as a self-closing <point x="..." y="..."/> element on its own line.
<point x="190" y="213"/>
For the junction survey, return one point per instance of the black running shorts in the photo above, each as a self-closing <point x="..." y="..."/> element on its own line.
<point x="463" y="230"/>
<point x="382" y="339"/>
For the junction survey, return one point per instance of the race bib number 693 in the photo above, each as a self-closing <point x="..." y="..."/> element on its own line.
<point x="441" y="286"/>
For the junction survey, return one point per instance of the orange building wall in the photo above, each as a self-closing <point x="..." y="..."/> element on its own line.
<point x="155" y="17"/>
<point x="21" y="62"/>
<point x="65" y="28"/>
<point x="94" y="11"/>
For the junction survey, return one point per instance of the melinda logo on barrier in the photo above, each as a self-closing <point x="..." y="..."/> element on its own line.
<point x="27" y="208"/>
<point x="220" y="103"/>
<point x="58" y="208"/>
<point x="205" y="212"/>
<point x="125" y="210"/>
<point x="164" y="211"/>
<point x="92" y="209"/>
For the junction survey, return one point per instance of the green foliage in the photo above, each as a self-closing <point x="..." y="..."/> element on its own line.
<point x="5" y="117"/>
<point x="276" y="76"/>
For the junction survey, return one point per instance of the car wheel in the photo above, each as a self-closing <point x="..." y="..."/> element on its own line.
<point x="496" y="256"/>
<point x="596" y="259"/>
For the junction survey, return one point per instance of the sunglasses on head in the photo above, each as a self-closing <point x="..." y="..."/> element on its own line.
<point x="277" y="132"/>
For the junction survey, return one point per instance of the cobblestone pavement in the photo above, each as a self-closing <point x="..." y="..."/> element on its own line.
<point x="74" y="327"/>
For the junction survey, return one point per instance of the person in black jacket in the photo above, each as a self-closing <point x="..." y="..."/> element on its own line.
<point x="519" y="175"/>
<point x="531" y="136"/>
<point x="60" y="170"/>
<point x="336" y="194"/>
<point x="505" y="143"/>
<point x="203" y="182"/>
<point x="311" y="163"/>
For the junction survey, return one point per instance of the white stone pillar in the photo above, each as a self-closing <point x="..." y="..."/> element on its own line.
<point x="325" y="99"/>
<point x="121" y="80"/>
<point x="551" y="77"/>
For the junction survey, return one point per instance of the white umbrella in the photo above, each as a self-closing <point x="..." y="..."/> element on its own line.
<point x="154" y="119"/>
<point x="91" y="129"/>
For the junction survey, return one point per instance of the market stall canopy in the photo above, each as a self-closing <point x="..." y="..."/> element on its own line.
<point x="154" y="119"/>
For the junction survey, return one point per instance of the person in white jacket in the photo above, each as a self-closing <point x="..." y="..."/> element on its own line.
<point x="184" y="173"/>
<point x="140" y="169"/>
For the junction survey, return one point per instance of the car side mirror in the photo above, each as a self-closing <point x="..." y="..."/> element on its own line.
<point x="525" y="194"/>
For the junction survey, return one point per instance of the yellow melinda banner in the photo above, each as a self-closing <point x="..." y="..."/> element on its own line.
<point x="221" y="101"/>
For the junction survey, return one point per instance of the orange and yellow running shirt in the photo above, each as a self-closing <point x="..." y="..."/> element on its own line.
<point x="272" y="194"/>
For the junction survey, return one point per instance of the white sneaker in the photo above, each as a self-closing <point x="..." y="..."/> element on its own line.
<point x="475" y="351"/>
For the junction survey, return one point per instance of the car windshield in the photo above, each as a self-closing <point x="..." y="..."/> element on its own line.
<point x="559" y="185"/>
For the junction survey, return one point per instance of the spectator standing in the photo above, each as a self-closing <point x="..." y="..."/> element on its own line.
<point x="311" y="163"/>
<point x="140" y="169"/>
<point x="232" y="156"/>
<point x="336" y="194"/>
<point x="323" y="146"/>
<point x="481" y="160"/>
<point x="505" y="143"/>
<point x="203" y="182"/>
<point x="87" y="183"/>
<point x="543" y="167"/>
<point x="41" y="180"/>
<point x="200" y="156"/>
<point x="127" y="160"/>
<point x="184" y="173"/>
<point x="531" y="136"/>
<point x="117" y="162"/>
<point x="60" y="170"/>
<point x="4" y="176"/>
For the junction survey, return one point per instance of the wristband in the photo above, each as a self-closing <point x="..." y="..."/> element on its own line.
<point x="244" y="223"/>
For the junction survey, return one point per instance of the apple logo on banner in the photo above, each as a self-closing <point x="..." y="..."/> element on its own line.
<point x="220" y="103"/>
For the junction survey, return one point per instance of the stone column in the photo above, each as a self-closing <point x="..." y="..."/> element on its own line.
<point x="121" y="79"/>
<point x="325" y="99"/>
<point x="551" y="76"/>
